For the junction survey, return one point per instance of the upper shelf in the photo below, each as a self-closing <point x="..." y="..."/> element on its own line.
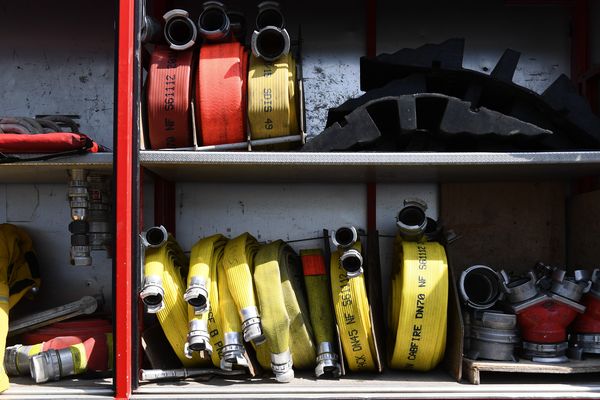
<point x="54" y="170"/>
<point x="367" y="167"/>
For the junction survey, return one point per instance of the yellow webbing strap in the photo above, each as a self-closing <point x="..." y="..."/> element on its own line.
<point x="238" y="262"/>
<point x="284" y="314"/>
<point x="215" y="327"/>
<point x="272" y="98"/>
<point x="351" y="306"/>
<point x="419" y="299"/>
<point x="18" y="274"/>
<point x="174" y="316"/>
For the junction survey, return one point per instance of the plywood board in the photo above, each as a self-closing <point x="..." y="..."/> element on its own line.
<point x="505" y="225"/>
<point x="584" y="230"/>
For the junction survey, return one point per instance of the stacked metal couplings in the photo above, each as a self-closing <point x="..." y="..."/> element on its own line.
<point x="546" y="303"/>
<point x="100" y="236"/>
<point x="79" y="202"/>
<point x="489" y="334"/>
<point x="586" y="328"/>
<point x="351" y="259"/>
<point x="270" y="40"/>
<point x="153" y="293"/>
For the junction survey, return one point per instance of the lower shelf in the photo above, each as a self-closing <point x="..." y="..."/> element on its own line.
<point x="431" y="385"/>
<point x="23" y="388"/>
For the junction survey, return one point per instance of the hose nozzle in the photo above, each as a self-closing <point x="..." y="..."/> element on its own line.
<point x="198" y="338"/>
<point x="154" y="237"/>
<point x="214" y="23"/>
<point x="327" y="361"/>
<point x="251" y="327"/>
<point x="51" y="365"/>
<point x="281" y="364"/>
<point x="233" y="353"/>
<point x="180" y="31"/>
<point x="196" y="294"/>
<point x="411" y="220"/>
<point x="153" y="294"/>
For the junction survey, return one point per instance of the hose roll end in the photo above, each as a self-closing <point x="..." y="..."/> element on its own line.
<point x="153" y="294"/>
<point x="281" y="364"/>
<point x="327" y="362"/>
<point x="411" y="220"/>
<point x="270" y="43"/>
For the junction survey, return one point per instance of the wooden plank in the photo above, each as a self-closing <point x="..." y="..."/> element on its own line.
<point x="509" y="225"/>
<point x="584" y="230"/>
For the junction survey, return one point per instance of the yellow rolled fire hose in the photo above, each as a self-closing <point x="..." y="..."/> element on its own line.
<point x="205" y="253"/>
<point x="284" y="314"/>
<point x="215" y="326"/>
<point x="272" y="97"/>
<point x="321" y="314"/>
<point x="18" y="274"/>
<point x="352" y="313"/>
<point x="419" y="299"/>
<point x="238" y="260"/>
<point x="173" y="317"/>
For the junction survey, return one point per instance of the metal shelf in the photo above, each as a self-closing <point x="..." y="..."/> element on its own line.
<point x="367" y="167"/>
<point x="54" y="170"/>
<point x="23" y="388"/>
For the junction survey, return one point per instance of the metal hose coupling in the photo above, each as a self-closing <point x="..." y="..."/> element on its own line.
<point x="586" y="328"/>
<point x="251" y="327"/>
<point x="352" y="262"/>
<point x="492" y="335"/>
<point x="344" y="237"/>
<point x="155" y="236"/>
<point x="270" y="40"/>
<point x="153" y="294"/>
<point x="327" y="361"/>
<point x="16" y="360"/>
<point x="51" y="365"/>
<point x="79" y="201"/>
<point x="480" y="287"/>
<point x="233" y="352"/>
<point x="411" y="220"/>
<point x="196" y="294"/>
<point x="214" y="24"/>
<point x="281" y="365"/>
<point x="180" y="31"/>
<point x="198" y="338"/>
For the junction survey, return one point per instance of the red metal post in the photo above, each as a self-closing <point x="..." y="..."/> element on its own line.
<point x="124" y="166"/>
<point x="164" y="203"/>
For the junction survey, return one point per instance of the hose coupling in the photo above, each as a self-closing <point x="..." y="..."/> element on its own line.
<point x="233" y="352"/>
<point x="411" y="220"/>
<point x="281" y="365"/>
<point x="51" y="365"/>
<point x="16" y="360"/>
<point x="180" y="31"/>
<point x="344" y="237"/>
<point x="198" y="338"/>
<point x="520" y="292"/>
<point x="214" y="24"/>
<point x="270" y="43"/>
<point x="352" y="262"/>
<point x="546" y="352"/>
<point x="78" y="194"/>
<point x="327" y="361"/>
<point x="480" y="287"/>
<point x="153" y="294"/>
<point x="196" y="295"/>
<point x="251" y="327"/>
<point x="569" y="287"/>
<point x="588" y="342"/>
<point x="155" y="236"/>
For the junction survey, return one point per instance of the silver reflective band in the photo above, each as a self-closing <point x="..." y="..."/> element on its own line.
<point x="180" y="31"/>
<point x="198" y="338"/>
<point x="344" y="237"/>
<point x="251" y="327"/>
<point x="233" y="352"/>
<point x="153" y="294"/>
<point x="327" y="361"/>
<point x="352" y="262"/>
<point x="196" y="295"/>
<point x="281" y="364"/>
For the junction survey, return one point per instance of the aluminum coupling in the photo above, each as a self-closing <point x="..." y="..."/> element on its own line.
<point x="492" y="336"/>
<point x="281" y="365"/>
<point x="352" y="262"/>
<point x="51" y="365"/>
<point x="344" y="237"/>
<point x="233" y="352"/>
<point x="327" y="361"/>
<point x="16" y="360"/>
<point x="198" y="338"/>
<point x="270" y="40"/>
<point x="153" y="294"/>
<point x="214" y="24"/>
<point x="480" y="287"/>
<point x="196" y="294"/>
<point x="155" y="236"/>
<point x="411" y="220"/>
<point x="180" y="31"/>
<point x="251" y="328"/>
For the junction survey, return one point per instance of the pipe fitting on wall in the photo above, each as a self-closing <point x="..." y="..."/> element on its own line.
<point x="153" y="294"/>
<point x="180" y="31"/>
<point x="411" y="220"/>
<point x="480" y="287"/>
<point x="214" y="24"/>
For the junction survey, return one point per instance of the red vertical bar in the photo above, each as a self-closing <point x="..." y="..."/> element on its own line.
<point x="164" y="204"/>
<point x="124" y="150"/>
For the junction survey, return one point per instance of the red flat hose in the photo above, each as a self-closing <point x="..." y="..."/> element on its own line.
<point x="221" y="93"/>
<point x="169" y="88"/>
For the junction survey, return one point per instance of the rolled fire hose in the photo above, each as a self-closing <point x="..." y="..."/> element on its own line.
<point x="238" y="263"/>
<point x="352" y="313"/>
<point x="169" y="95"/>
<point x="221" y="93"/>
<point x="321" y="315"/>
<point x="270" y="41"/>
<point x="233" y="351"/>
<point x="419" y="299"/>
<point x="215" y="326"/>
<point x="166" y="262"/>
<point x="284" y="314"/>
<point x="180" y="31"/>
<point x="205" y="253"/>
<point x="19" y="273"/>
<point x="272" y="98"/>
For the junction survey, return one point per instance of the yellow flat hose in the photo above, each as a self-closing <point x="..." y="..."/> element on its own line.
<point x="351" y="306"/>
<point x="204" y="254"/>
<point x="215" y="327"/>
<point x="173" y="317"/>
<point x="321" y="315"/>
<point x="18" y="274"/>
<point x="272" y="98"/>
<point x="238" y="262"/>
<point x="419" y="299"/>
<point x="283" y="310"/>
